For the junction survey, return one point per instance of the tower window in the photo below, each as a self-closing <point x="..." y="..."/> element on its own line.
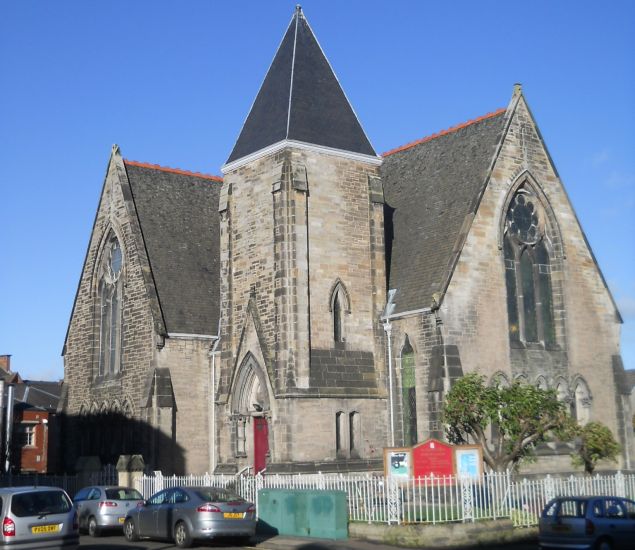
<point x="340" y="430"/>
<point x="354" y="433"/>
<point x="338" y="306"/>
<point x="337" y="320"/>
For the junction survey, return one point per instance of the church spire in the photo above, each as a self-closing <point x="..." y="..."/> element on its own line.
<point x="301" y="100"/>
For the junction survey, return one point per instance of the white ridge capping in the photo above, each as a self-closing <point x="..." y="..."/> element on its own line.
<point x="371" y="159"/>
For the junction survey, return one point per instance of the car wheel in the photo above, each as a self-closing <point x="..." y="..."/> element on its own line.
<point x="93" y="528"/>
<point x="182" y="536"/>
<point x="130" y="531"/>
<point x="604" y="544"/>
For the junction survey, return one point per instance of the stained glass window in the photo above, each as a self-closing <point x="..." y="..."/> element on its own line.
<point x="528" y="272"/>
<point x="110" y="298"/>
<point x="409" y="394"/>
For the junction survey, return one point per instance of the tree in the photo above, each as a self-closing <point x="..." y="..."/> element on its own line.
<point x="596" y="443"/>
<point x="507" y="421"/>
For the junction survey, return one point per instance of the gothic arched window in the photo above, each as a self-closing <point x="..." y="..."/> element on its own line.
<point x="340" y="430"/>
<point x="339" y="304"/>
<point x="528" y="271"/>
<point x="110" y="306"/>
<point x="354" y="435"/>
<point x="581" y="402"/>
<point x="409" y="394"/>
<point x="337" y="319"/>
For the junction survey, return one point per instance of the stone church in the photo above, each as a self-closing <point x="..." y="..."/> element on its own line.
<point x="314" y="304"/>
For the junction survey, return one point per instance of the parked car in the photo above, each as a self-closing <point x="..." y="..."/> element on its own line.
<point x="101" y="507"/>
<point x="37" y="518"/>
<point x="594" y="522"/>
<point x="186" y="514"/>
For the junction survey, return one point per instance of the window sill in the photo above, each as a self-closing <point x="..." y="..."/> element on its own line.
<point x="105" y="378"/>
<point x="517" y="344"/>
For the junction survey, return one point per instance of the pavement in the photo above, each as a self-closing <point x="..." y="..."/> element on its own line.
<point x="299" y="543"/>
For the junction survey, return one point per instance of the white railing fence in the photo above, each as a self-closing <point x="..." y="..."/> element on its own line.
<point x="376" y="499"/>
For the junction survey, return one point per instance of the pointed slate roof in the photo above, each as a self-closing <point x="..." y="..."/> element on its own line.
<point x="301" y="100"/>
<point x="178" y="216"/>
<point x="431" y="187"/>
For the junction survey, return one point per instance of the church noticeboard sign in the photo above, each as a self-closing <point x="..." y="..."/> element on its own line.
<point x="433" y="457"/>
<point x="398" y="463"/>
<point x="469" y="461"/>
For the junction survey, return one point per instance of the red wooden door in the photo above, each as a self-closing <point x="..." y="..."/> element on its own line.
<point x="261" y="443"/>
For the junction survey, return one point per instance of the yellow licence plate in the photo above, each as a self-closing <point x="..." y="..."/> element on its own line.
<point x="232" y="515"/>
<point x="45" y="529"/>
<point x="121" y="520"/>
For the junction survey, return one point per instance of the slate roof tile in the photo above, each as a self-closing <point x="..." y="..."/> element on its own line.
<point x="430" y="186"/>
<point x="301" y="99"/>
<point x="178" y="215"/>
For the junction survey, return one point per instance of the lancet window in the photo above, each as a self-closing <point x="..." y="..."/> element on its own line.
<point x="110" y="297"/>
<point x="528" y="271"/>
<point x="409" y="394"/>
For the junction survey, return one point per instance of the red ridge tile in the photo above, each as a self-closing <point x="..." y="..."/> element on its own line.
<point x="172" y="170"/>
<point x="443" y="132"/>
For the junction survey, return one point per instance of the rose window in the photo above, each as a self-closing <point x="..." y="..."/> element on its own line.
<point x="522" y="219"/>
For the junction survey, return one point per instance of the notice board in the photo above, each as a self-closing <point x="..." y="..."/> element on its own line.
<point x="433" y="457"/>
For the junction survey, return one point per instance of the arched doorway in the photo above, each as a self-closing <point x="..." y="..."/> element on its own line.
<point x="251" y="413"/>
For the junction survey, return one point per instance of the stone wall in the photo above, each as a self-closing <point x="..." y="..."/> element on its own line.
<point x="294" y="226"/>
<point x="189" y="363"/>
<point x="474" y="310"/>
<point x="86" y="390"/>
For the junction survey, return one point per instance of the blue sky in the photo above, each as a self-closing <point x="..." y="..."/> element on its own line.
<point x="171" y="83"/>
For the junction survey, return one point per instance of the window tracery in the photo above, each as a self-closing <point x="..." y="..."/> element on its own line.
<point x="110" y="306"/>
<point x="528" y="271"/>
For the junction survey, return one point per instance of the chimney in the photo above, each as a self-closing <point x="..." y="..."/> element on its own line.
<point x="5" y="363"/>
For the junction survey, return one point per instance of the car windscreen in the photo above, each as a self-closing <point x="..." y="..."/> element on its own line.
<point x="39" y="503"/>
<point x="218" y="495"/>
<point x="123" y="493"/>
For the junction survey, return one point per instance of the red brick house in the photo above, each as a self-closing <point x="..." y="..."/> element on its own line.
<point x="35" y="437"/>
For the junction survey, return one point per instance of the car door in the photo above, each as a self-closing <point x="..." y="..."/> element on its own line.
<point x="617" y="522"/>
<point x="148" y="514"/>
<point x="163" y="515"/>
<point x="81" y="505"/>
<point x="92" y="502"/>
<point x="180" y="508"/>
<point x="629" y="521"/>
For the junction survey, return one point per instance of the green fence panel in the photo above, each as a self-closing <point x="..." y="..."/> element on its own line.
<point x="303" y="513"/>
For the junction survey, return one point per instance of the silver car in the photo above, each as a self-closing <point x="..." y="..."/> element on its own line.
<point x="101" y="507"/>
<point x="186" y="514"/>
<point x="590" y="522"/>
<point x="37" y="518"/>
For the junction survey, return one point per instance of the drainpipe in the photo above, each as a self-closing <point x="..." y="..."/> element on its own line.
<point x="1" y="412"/>
<point x="388" y="331"/>
<point x="9" y="429"/>
<point x="212" y="402"/>
<point x="390" y="306"/>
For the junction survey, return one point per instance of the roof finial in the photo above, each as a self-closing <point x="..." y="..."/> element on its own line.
<point x="298" y="9"/>
<point x="518" y="88"/>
